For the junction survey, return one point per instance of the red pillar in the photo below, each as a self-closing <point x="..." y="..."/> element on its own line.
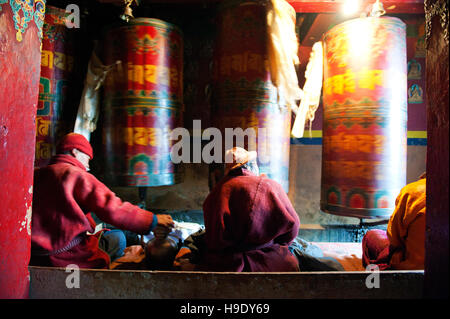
<point x="20" y="59"/>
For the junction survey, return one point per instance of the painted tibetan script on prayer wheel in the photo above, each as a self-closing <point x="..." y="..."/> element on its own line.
<point x="365" y="114"/>
<point x="243" y="94"/>
<point x="56" y="84"/>
<point x="143" y="102"/>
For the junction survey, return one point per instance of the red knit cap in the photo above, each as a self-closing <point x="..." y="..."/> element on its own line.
<point x="74" y="140"/>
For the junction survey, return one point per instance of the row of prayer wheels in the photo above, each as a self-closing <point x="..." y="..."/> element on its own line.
<point x="364" y="102"/>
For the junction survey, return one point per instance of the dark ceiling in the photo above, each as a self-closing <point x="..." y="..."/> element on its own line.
<point x="314" y="17"/>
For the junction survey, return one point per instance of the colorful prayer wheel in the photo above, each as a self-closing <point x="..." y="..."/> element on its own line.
<point x="56" y="84"/>
<point x="143" y="102"/>
<point x="365" y="115"/>
<point x="243" y="94"/>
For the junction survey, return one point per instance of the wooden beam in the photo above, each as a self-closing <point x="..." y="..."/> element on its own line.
<point x="437" y="105"/>
<point x="318" y="28"/>
<point x="334" y="6"/>
<point x="311" y="6"/>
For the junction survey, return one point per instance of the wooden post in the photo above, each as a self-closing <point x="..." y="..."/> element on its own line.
<point x="437" y="86"/>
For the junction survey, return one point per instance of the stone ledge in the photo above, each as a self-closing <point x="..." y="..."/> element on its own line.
<point x="48" y="282"/>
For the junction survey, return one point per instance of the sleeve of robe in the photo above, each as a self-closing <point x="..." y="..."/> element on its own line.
<point x="406" y="227"/>
<point x="93" y="196"/>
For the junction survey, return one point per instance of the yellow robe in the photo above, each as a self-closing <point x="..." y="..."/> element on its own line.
<point x="406" y="227"/>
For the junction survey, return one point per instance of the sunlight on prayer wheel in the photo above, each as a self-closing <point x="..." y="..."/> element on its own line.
<point x="243" y="94"/>
<point x="143" y="102"/>
<point x="365" y="117"/>
<point x="57" y="103"/>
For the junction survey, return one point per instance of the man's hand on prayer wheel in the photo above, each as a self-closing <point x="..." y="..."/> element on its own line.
<point x="165" y="220"/>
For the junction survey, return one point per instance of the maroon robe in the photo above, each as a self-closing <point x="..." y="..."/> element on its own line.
<point x="64" y="194"/>
<point x="376" y="250"/>
<point x="249" y="223"/>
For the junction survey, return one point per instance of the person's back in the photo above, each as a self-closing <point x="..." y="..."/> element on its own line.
<point x="249" y="223"/>
<point x="57" y="218"/>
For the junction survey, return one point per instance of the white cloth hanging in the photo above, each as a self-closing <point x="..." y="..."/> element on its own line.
<point x="88" y="110"/>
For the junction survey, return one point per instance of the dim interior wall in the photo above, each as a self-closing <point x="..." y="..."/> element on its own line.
<point x="187" y="195"/>
<point x="416" y="162"/>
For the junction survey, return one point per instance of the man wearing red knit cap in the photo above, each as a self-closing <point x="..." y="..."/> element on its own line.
<point x="64" y="195"/>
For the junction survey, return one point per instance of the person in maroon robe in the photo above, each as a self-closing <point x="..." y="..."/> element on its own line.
<point x="249" y="222"/>
<point x="64" y="195"/>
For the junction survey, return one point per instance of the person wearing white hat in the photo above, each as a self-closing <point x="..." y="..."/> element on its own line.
<point x="249" y="222"/>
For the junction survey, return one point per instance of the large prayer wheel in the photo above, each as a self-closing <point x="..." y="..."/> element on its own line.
<point x="365" y="115"/>
<point x="143" y="102"/>
<point x="56" y="85"/>
<point x="243" y="94"/>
